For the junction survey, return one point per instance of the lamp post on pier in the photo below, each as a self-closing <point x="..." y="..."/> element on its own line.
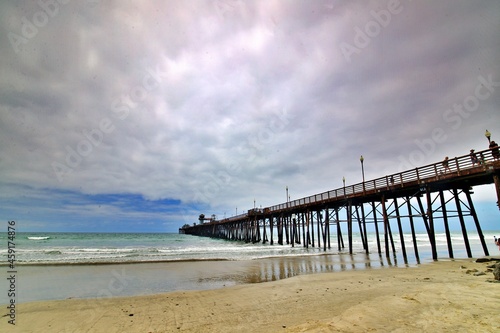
<point x="362" y="159"/>
<point x="487" y="134"/>
<point x="343" y="180"/>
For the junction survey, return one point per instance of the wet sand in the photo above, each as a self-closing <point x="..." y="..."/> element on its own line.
<point x="438" y="297"/>
<point x="46" y="282"/>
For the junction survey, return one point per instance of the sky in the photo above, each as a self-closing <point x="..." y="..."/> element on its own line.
<point x="137" y="116"/>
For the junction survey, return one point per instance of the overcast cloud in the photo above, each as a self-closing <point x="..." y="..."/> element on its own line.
<point x="130" y="116"/>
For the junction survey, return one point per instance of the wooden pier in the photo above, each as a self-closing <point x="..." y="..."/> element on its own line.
<point x="427" y="195"/>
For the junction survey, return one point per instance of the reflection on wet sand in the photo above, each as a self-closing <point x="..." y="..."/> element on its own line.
<point x="272" y="269"/>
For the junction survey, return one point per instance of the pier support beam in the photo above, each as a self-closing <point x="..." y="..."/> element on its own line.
<point x="476" y="221"/>
<point x="430" y="219"/>
<point x="326" y="235"/>
<point x="412" y="226"/>
<point x="462" y="223"/>
<point x="374" y="207"/>
<point x="446" y="226"/>
<point x="349" y="226"/>
<point x="386" y="224"/>
<point x="400" y="229"/>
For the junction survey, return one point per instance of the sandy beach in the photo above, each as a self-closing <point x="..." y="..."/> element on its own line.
<point x="442" y="296"/>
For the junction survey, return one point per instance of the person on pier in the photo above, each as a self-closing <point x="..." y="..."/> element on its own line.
<point x="473" y="157"/>
<point x="494" y="150"/>
<point x="482" y="160"/>
<point x="446" y="165"/>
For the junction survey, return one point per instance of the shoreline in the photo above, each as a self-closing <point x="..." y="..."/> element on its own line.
<point x="438" y="296"/>
<point x="96" y="263"/>
<point x="132" y="262"/>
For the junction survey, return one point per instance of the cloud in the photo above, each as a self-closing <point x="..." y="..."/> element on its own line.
<point x="210" y="105"/>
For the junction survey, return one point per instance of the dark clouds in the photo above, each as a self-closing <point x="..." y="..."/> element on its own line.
<point x="219" y="102"/>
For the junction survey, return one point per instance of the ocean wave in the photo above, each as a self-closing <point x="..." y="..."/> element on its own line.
<point x="53" y="252"/>
<point x="107" y="261"/>
<point x="38" y="238"/>
<point x="103" y="250"/>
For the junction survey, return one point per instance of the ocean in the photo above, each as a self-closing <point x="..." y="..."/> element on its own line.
<point x="90" y="265"/>
<point x="113" y="248"/>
